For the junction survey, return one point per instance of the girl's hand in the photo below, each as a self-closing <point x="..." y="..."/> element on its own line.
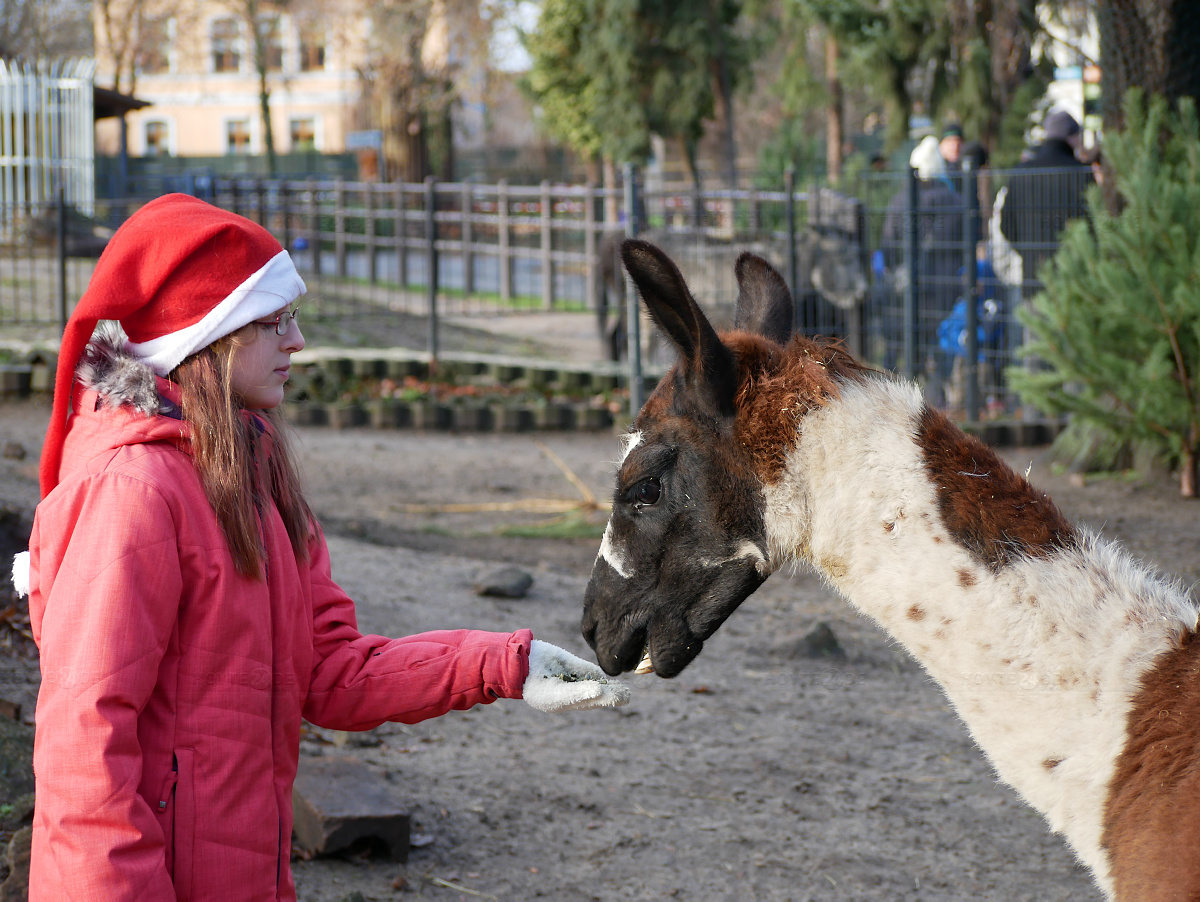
<point x="559" y="681"/>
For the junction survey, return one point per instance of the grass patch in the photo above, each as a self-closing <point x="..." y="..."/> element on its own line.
<point x="573" y="525"/>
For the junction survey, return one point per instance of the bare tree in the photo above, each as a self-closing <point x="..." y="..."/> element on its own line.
<point x="45" y="29"/>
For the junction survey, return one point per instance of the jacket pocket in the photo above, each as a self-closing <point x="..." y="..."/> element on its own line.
<point x="164" y="810"/>
<point x="184" y="823"/>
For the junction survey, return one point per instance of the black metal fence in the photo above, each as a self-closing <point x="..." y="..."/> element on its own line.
<point x="912" y="275"/>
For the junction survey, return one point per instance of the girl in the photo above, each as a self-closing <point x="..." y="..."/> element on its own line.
<point x="180" y="589"/>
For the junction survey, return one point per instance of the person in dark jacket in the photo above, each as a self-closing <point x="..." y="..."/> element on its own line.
<point x="938" y="250"/>
<point x="1045" y="192"/>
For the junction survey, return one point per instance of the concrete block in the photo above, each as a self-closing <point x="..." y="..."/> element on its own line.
<point x="346" y="416"/>
<point x="339" y="802"/>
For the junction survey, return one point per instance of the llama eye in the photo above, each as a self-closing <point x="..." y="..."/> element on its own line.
<point x="648" y="491"/>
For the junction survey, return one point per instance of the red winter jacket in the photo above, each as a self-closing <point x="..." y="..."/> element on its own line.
<point x="172" y="689"/>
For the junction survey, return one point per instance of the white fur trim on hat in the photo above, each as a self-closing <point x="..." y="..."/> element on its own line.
<point x="927" y="159"/>
<point x="275" y="285"/>
<point x="20" y="573"/>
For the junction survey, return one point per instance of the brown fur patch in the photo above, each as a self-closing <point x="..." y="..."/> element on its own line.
<point x="1051" y="763"/>
<point x="777" y="387"/>
<point x="1152" y="818"/>
<point x="916" y="612"/>
<point x="988" y="509"/>
<point x="966" y="578"/>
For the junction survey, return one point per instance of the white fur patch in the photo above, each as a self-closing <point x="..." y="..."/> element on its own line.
<point x="20" y="573"/>
<point x="629" y="441"/>
<point x="612" y="554"/>
<point x="1040" y="659"/>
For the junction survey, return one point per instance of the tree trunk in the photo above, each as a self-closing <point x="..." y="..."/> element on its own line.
<point x="724" y="112"/>
<point x="1188" y="487"/>
<point x="833" y="112"/>
<point x="612" y="214"/>
<point x="264" y="103"/>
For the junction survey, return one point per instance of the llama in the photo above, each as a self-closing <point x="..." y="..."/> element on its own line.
<point x="1075" y="668"/>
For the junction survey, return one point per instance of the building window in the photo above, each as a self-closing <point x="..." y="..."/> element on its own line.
<point x="158" y="139"/>
<point x="270" y="32"/>
<point x="312" y="47"/>
<point x="304" y="134"/>
<point x="226" y="45"/>
<point x="154" y="55"/>
<point x="237" y="136"/>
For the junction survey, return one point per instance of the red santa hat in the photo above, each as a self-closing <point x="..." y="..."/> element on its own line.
<point x="179" y="274"/>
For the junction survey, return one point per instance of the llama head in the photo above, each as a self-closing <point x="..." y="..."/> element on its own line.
<point x="686" y="542"/>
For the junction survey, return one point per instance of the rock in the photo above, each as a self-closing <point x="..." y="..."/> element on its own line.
<point x="338" y="803"/>
<point x="508" y="582"/>
<point x="14" y="451"/>
<point x="16" y="760"/>
<point x="819" y="643"/>
<point x="15" y="888"/>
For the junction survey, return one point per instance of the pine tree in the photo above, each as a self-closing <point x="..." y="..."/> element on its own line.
<point x="1118" y="323"/>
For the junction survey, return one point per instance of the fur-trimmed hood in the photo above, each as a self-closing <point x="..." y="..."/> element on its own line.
<point x="120" y="379"/>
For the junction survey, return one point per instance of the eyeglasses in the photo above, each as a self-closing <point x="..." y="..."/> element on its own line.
<point x="281" y="323"/>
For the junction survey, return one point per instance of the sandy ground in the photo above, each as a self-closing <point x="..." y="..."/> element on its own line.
<point x="758" y="774"/>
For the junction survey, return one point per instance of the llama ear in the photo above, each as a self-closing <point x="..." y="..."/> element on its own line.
<point x="702" y="355"/>
<point x="764" y="304"/>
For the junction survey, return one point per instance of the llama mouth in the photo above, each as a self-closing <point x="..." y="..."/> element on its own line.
<point x="646" y="665"/>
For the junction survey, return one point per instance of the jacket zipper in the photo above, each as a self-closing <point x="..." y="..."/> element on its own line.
<point x="168" y="787"/>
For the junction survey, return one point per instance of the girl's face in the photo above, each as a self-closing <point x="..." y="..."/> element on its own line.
<point x="261" y="362"/>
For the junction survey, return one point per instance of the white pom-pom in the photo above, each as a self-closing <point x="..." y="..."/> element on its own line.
<point x="20" y="573"/>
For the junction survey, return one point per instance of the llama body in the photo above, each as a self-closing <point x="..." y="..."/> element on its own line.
<point x="1062" y="655"/>
<point x="1040" y="658"/>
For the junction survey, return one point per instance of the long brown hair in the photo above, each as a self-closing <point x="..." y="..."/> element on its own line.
<point x="226" y="447"/>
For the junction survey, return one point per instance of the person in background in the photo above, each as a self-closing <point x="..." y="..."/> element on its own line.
<point x="1045" y="192"/>
<point x="938" y="251"/>
<point x="951" y="146"/>
<point x="180" y="590"/>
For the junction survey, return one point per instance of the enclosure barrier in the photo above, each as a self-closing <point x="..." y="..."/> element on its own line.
<point x="907" y="288"/>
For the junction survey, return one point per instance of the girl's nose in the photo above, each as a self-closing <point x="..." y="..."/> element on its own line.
<point x="293" y="339"/>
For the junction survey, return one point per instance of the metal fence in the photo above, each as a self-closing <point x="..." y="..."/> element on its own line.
<point x="888" y="268"/>
<point x="46" y="137"/>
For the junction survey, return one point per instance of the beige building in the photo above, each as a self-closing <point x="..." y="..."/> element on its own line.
<point x="196" y="68"/>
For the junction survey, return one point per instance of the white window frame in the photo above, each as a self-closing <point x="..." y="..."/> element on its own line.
<point x="239" y="45"/>
<point x="253" y="149"/>
<point x="318" y="131"/>
<point x="163" y="120"/>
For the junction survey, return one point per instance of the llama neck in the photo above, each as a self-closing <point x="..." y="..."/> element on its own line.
<point x="1039" y="652"/>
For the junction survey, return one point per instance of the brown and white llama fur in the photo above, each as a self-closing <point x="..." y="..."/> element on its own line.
<point x="1076" y="668"/>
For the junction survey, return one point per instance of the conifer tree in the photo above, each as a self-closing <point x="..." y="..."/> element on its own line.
<point x="1117" y="326"/>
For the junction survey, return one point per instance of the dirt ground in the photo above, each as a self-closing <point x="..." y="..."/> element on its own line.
<point x="760" y="773"/>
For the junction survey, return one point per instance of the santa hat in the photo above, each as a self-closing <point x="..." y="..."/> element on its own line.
<point x="179" y="274"/>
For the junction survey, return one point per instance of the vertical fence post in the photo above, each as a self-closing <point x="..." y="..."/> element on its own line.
<point x="632" y="316"/>
<point x="502" y="238"/>
<point x="369" y="229"/>
<point x="62" y="258"/>
<point x="260" y="198"/>
<point x="910" y="268"/>
<point x="314" y="228"/>
<point x="789" y="209"/>
<point x="431" y="270"/>
<point x="285" y="209"/>
<point x="589" y="246"/>
<point x="339" y="225"/>
<point x="401" y="229"/>
<point x="547" y="262"/>
<point x="971" y="287"/>
<point x="468" y="255"/>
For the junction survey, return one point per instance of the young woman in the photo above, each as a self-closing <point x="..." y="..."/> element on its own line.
<point x="180" y="589"/>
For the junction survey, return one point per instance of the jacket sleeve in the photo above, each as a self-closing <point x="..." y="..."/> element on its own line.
<point x="106" y="588"/>
<point x="358" y="681"/>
